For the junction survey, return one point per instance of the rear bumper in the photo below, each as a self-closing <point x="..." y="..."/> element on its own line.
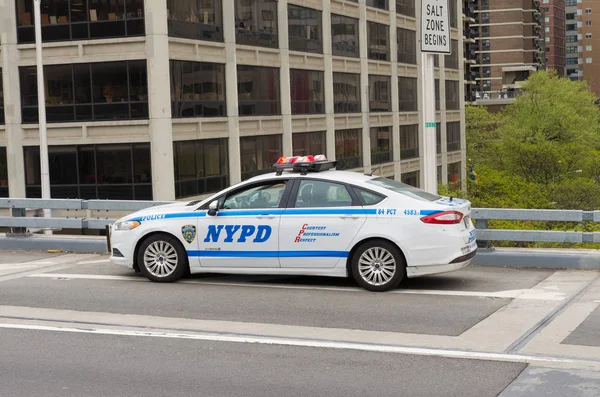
<point x="456" y="264"/>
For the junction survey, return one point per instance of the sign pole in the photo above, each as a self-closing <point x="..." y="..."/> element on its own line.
<point x="435" y="39"/>
<point x="45" y="174"/>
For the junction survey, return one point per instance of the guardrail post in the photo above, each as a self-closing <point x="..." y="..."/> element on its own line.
<point x="18" y="213"/>
<point x="482" y="224"/>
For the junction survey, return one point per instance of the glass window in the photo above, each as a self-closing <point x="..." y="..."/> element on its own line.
<point x="380" y="93"/>
<point x="378" y="36"/>
<point x="113" y="172"/>
<point x="346" y="93"/>
<point x="258" y="154"/>
<point x="344" y="36"/>
<point x="258" y="91"/>
<point x="381" y="145"/>
<point x="305" y="29"/>
<point x="452" y="91"/>
<point x="3" y="172"/>
<point x="411" y="179"/>
<point x="348" y="148"/>
<point x="196" y="19"/>
<point x="312" y="193"/>
<point x="381" y="4"/>
<point x="437" y="94"/>
<point x="308" y="143"/>
<point x="81" y="19"/>
<point x="256" y="23"/>
<point x="451" y="61"/>
<point x="306" y="90"/>
<point x="407" y="91"/>
<point x="438" y="137"/>
<point x="453" y="14"/>
<point x="1" y="100"/>
<point x="453" y="136"/>
<point x="197" y="89"/>
<point x="407" y="46"/>
<point x="265" y="195"/>
<point x="368" y="198"/>
<point x="201" y="167"/>
<point x="119" y="92"/>
<point x="454" y="174"/>
<point x="409" y="142"/>
<point x="406" y="7"/>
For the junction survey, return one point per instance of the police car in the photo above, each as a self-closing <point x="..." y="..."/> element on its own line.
<point x="306" y="218"/>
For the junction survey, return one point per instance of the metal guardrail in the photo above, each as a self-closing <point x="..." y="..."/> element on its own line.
<point x="484" y="235"/>
<point x="19" y="221"/>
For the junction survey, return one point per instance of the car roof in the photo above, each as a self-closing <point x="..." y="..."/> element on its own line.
<point x="351" y="177"/>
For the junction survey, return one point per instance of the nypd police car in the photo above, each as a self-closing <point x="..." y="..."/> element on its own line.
<point x="306" y="218"/>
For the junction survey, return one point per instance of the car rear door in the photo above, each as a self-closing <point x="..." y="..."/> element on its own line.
<point x="320" y="223"/>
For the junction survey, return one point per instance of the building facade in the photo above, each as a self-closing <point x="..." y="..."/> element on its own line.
<point x="555" y="35"/>
<point x="588" y="25"/>
<point x="175" y="99"/>
<point x="510" y="34"/>
<point x="572" y="40"/>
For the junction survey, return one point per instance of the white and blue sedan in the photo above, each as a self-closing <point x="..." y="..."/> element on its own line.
<point x="304" y="219"/>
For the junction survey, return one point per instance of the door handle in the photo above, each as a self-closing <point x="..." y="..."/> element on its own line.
<point x="349" y="216"/>
<point x="267" y="216"/>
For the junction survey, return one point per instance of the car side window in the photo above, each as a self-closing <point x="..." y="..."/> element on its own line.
<point x="369" y="198"/>
<point x="313" y="194"/>
<point x="267" y="195"/>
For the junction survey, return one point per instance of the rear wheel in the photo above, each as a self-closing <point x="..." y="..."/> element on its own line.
<point x="161" y="258"/>
<point x="378" y="266"/>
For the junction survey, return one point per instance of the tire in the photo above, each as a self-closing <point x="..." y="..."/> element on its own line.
<point x="378" y="266"/>
<point x="174" y="263"/>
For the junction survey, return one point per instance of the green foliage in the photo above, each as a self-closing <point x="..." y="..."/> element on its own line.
<point x="542" y="151"/>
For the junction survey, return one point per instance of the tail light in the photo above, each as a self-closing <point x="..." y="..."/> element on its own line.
<point x="443" y="218"/>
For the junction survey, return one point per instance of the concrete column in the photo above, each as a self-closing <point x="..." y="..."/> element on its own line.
<point x="284" y="77"/>
<point x="12" y="100"/>
<point x="364" y="86"/>
<point x="231" y="93"/>
<point x="159" y="94"/>
<point x="420" y="94"/>
<point x="328" y="82"/>
<point x="461" y="97"/>
<point x="394" y="91"/>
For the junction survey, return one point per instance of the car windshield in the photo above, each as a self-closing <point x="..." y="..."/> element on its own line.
<point x="403" y="188"/>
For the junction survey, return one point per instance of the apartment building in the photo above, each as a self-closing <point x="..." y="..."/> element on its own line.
<point x="555" y="35"/>
<point x="175" y="99"/>
<point x="510" y="35"/>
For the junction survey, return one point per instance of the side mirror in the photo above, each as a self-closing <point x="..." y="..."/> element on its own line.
<point x="212" y="208"/>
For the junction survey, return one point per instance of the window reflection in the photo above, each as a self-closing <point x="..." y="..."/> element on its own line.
<point x="407" y="46"/>
<point x="409" y="142"/>
<point x="114" y="172"/>
<point x="197" y="89"/>
<point x="306" y="89"/>
<point x="258" y="154"/>
<point x="453" y="136"/>
<point x="256" y="23"/>
<point x="348" y="148"/>
<point x="308" y="143"/>
<point x="196" y="19"/>
<point x="381" y="145"/>
<point x="258" y="91"/>
<point x="407" y="91"/>
<point x="379" y="93"/>
<point x="81" y="19"/>
<point x="1" y="100"/>
<point x="344" y="36"/>
<point x="305" y="29"/>
<point x="200" y="167"/>
<point x="346" y="93"/>
<point x="119" y="91"/>
<point x="379" y="41"/>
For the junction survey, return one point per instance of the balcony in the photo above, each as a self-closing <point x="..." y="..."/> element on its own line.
<point x="514" y="76"/>
<point x="503" y="97"/>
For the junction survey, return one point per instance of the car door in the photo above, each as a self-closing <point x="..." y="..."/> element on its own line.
<point x="321" y="221"/>
<point x="244" y="232"/>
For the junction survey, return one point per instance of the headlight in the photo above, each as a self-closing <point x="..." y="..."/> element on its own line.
<point x="127" y="225"/>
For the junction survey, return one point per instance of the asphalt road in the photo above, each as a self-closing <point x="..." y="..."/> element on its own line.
<point x="75" y="325"/>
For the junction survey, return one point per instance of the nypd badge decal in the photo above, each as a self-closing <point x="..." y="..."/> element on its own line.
<point x="189" y="233"/>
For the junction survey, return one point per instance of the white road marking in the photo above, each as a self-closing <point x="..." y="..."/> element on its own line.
<point x="298" y="343"/>
<point x="512" y="294"/>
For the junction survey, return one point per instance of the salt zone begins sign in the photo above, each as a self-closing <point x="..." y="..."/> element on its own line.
<point x="435" y="26"/>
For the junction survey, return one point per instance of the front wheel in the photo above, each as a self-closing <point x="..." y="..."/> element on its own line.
<point x="161" y="258"/>
<point x="378" y="266"/>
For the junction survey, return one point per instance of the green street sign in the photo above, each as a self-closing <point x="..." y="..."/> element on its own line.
<point x="430" y="124"/>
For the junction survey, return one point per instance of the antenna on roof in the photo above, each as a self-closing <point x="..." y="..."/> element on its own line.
<point x="375" y="170"/>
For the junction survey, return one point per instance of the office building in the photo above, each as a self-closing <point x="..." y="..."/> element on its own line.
<point x="175" y="99"/>
<point x="555" y="35"/>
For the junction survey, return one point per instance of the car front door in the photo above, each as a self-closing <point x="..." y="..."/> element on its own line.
<point x="318" y="227"/>
<point x="244" y="232"/>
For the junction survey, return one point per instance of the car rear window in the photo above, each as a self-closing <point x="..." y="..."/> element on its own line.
<point x="403" y="188"/>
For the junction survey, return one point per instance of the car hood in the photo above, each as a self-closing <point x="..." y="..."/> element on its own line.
<point x="162" y="209"/>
